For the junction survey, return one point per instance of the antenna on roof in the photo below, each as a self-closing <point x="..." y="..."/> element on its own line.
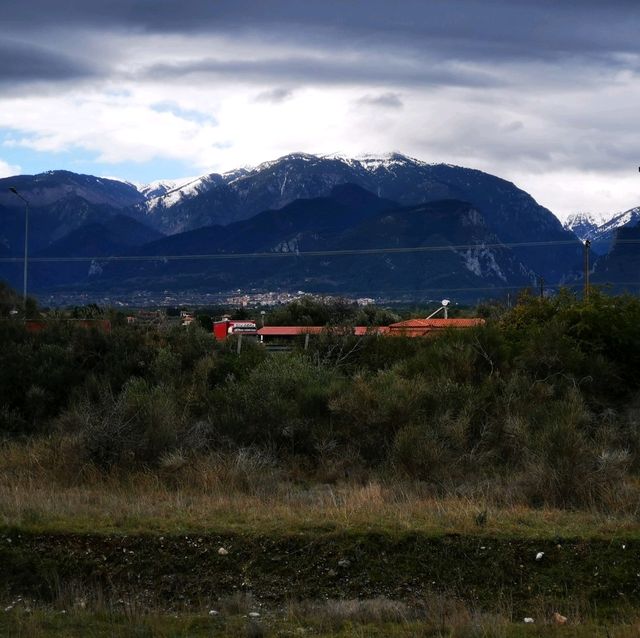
<point x="445" y="303"/>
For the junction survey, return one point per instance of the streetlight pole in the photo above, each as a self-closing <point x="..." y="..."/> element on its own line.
<point x="587" y="248"/>
<point x="26" y="244"/>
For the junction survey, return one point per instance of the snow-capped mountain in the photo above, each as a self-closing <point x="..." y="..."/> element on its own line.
<point x="601" y="229"/>
<point x="230" y="197"/>
<point x="584" y="224"/>
<point x="208" y="208"/>
<point x="161" y="187"/>
<point x="606" y="233"/>
<point x="241" y="193"/>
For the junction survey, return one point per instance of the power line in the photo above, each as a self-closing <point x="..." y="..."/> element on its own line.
<point x="309" y="253"/>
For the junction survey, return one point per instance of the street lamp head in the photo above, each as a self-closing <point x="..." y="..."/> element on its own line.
<point x="15" y="191"/>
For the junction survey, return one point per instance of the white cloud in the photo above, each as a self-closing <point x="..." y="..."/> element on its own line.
<point x="6" y="169"/>
<point x="565" y="133"/>
<point x="569" y="191"/>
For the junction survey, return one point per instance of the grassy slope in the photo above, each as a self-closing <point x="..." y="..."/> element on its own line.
<point x="158" y="547"/>
<point x="156" y="542"/>
<point x="144" y="505"/>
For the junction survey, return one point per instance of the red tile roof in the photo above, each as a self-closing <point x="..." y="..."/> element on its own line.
<point x="289" y="331"/>
<point x="422" y="327"/>
<point x="409" y="328"/>
<point x="437" y="323"/>
<point x="370" y="330"/>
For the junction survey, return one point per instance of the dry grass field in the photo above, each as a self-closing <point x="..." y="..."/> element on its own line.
<point x="39" y="491"/>
<point x="51" y="512"/>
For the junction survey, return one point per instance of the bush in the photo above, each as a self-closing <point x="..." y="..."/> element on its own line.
<point x="373" y="408"/>
<point x="282" y="403"/>
<point x="546" y="395"/>
<point x="135" y="428"/>
<point x="418" y="453"/>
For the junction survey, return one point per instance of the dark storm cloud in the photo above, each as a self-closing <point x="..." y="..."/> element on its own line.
<point x="22" y="63"/>
<point x="491" y="28"/>
<point x="384" y="100"/>
<point x="407" y="43"/>
<point x="326" y="70"/>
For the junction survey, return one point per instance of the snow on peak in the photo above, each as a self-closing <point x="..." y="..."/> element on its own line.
<point x="160" y="187"/>
<point x="236" y="173"/>
<point x="601" y="223"/>
<point x="584" y="225"/>
<point x="367" y="161"/>
<point x="191" y="187"/>
<point x="596" y="219"/>
<point x="167" y="193"/>
<point x="389" y="157"/>
<point x="601" y="229"/>
<point x="305" y="157"/>
<point x="631" y="216"/>
<point x="372" y="162"/>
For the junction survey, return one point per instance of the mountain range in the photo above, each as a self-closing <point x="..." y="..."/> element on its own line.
<point x="343" y="208"/>
<point x="345" y="227"/>
<point x="601" y="231"/>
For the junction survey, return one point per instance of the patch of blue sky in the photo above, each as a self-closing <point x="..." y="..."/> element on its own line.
<point x="80" y="160"/>
<point x="117" y="93"/>
<point x="199" y="117"/>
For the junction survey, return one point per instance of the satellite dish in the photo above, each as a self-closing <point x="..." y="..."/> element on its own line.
<point x="445" y="302"/>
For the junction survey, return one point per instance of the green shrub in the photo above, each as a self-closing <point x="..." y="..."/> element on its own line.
<point x="281" y="403"/>
<point x="136" y="428"/>
<point x="419" y="453"/>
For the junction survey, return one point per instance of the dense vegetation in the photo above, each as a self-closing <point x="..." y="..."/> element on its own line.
<point x="540" y="406"/>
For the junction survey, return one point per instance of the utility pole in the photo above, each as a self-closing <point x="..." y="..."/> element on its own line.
<point x="26" y="245"/>
<point x="541" y="284"/>
<point x="587" y="248"/>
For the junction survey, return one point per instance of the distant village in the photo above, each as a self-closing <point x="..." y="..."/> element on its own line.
<point x="237" y="298"/>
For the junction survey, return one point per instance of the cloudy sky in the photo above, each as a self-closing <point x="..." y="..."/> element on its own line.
<point x="545" y="93"/>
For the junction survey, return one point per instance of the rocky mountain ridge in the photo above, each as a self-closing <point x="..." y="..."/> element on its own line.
<point x="333" y="245"/>
<point x="221" y="199"/>
<point x="215" y="205"/>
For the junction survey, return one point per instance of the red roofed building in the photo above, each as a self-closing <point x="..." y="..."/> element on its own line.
<point x="409" y="328"/>
<point x="422" y="327"/>
<point x="293" y="331"/>
<point x="361" y="331"/>
<point x="227" y="327"/>
<point x="290" y="331"/>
